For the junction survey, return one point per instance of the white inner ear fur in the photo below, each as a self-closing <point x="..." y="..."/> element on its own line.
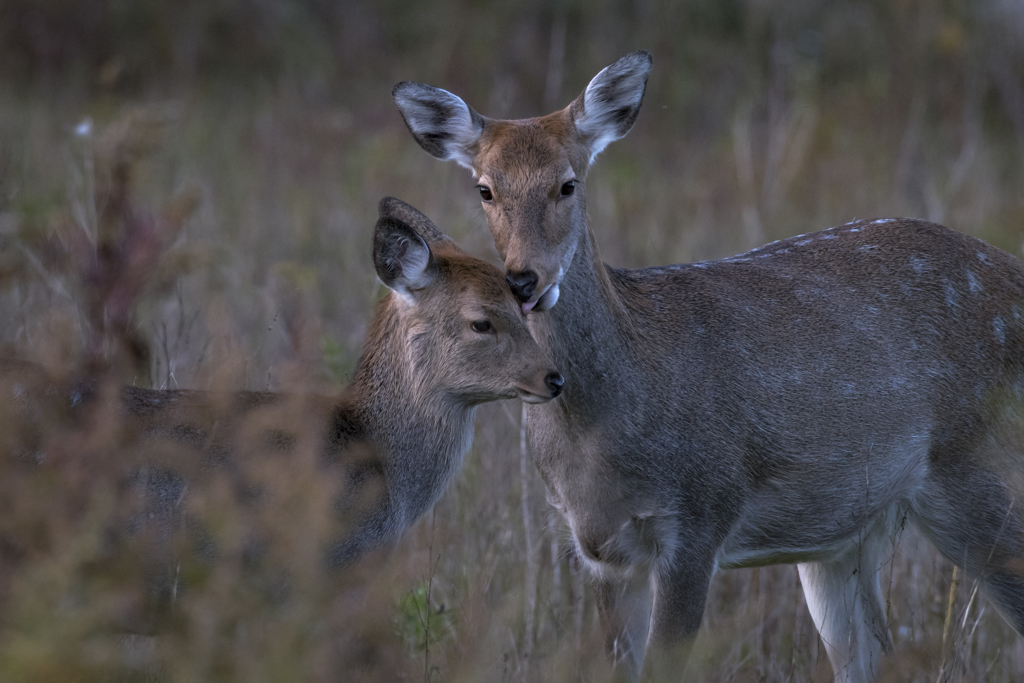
<point x="459" y="132"/>
<point x="606" y="96"/>
<point x="411" y="259"/>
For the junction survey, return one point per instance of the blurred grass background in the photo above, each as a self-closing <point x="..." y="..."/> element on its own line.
<point x="258" y="136"/>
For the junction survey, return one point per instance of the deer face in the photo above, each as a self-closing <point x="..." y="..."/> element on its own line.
<point x="465" y="333"/>
<point x="482" y="347"/>
<point x="531" y="188"/>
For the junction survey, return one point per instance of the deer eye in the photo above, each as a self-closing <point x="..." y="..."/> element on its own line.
<point x="568" y="188"/>
<point x="481" y="326"/>
<point x="485" y="193"/>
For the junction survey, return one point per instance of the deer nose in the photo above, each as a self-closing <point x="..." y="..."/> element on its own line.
<point x="554" y="382"/>
<point x="522" y="284"/>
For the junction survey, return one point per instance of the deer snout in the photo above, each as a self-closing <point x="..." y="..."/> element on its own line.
<point x="522" y="283"/>
<point x="541" y="386"/>
<point x="554" y="383"/>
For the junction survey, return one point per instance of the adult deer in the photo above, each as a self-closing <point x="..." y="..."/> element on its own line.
<point x="448" y="337"/>
<point x="793" y="404"/>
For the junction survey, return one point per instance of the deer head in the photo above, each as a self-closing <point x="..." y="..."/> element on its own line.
<point x="531" y="173"/>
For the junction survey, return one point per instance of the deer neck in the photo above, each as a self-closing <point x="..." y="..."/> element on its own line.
<point x="589" y="321"/>
<point x="403" y="413"/>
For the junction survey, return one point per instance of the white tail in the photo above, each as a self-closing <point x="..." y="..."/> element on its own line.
<point x="793" y="404"/>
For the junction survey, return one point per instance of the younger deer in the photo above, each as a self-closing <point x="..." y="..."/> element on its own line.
<point x="793" y="404"/>
<point x="448" y="337"/>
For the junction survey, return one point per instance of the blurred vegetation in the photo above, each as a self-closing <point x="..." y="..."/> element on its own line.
<point x="187" y="192"/>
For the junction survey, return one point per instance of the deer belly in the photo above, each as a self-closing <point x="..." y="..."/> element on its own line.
<point x="816" y="517"/>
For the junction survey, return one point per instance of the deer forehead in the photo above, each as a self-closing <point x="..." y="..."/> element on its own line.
<point x="540" y="152"/>
<point x="473" y="285"/>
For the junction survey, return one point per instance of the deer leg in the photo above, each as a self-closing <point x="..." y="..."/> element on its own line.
<point x="680" y="592"/>
<point x="624" y="608"/>
<point x="844" y="597"/>
<point x="973" y="518"/>
<point x="371" y="517"/>
<point x="1006" y="590"/>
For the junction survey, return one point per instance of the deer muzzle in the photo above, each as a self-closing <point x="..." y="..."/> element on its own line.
<point x="550" y="388"/>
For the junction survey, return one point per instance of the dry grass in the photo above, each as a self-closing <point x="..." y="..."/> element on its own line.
<point x="243" y="262"/>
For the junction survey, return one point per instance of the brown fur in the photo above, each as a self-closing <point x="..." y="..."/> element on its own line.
<point x="390" y="444"/>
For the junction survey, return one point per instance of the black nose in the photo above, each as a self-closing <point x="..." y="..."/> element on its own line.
<point x="522" y="284"/>
<point x="554" y="381"/>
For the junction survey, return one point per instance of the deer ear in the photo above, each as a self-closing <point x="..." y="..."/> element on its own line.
<point x="606" y="110"/>
<point x="443" y="125"/>
<point x="402" y="258"/>
<point x="389" y="207"/>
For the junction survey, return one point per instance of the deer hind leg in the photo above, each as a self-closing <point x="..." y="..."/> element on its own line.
<point x="844" y="597"/>
<point x="1006" y="590"/>
<point x="975" y="517"/>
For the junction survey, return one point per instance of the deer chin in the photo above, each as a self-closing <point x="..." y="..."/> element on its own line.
<point x="527" y="396"/>
<point x="547" y="299"/>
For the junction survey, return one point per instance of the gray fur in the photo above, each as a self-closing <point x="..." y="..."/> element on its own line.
<point x="607" y="109"/>
<point x="402" y="259"/>
<point x="442" y="123"/>
<point x="390" y="208"/>
<point x="794" y="404"/>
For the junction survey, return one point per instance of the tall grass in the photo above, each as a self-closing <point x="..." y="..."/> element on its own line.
<point x="253" y="145"/>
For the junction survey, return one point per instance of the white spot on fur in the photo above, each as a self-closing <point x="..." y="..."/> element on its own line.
<point x="973" y="283"/>
<point x="853" y="230"/>
<point x="881" y="221"/>
<point x="999" y="327"/>
<point x="918" y="264"/>
<point x="984" y="259"/>
<point x="952" y="300"/>
<point x="803" y="243"/>
<point x="829" y="237"/>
